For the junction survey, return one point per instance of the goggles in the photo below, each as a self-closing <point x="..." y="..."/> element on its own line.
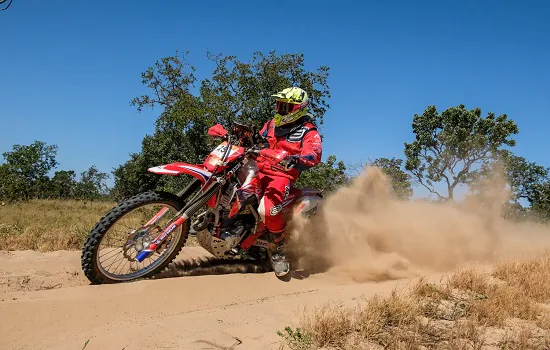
<point x="284" y="108"/>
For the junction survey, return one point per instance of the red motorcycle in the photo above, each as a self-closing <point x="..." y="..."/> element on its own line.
<point x="220" y="204"/>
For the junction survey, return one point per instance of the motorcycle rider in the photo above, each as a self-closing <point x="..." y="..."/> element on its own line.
<point x="293" y="131"/>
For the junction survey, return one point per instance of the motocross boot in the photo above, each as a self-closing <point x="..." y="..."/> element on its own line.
<point x="280" y="264"/>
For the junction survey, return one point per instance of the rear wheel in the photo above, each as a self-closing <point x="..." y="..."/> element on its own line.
<point x="108" y="256"/>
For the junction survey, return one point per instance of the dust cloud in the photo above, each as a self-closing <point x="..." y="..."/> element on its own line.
<point x="365" y="233"/>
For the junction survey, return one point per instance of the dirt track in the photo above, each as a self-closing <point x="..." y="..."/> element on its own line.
<point x="47" y="304"/>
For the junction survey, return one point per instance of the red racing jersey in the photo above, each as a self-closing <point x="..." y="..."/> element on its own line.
<point x="303" y="142"/>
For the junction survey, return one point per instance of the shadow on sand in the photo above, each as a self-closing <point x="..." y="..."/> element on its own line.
<point x="212" y="266"/>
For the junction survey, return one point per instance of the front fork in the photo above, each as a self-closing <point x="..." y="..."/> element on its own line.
<point x="184" y="214"/>
<point x="158" y="240"/>
<point x="191" y="186"/>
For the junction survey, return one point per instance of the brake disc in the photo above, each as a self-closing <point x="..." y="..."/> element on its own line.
<point x="139" y="239"/>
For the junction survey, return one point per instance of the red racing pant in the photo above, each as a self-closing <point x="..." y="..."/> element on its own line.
<point x="275" y="191"/>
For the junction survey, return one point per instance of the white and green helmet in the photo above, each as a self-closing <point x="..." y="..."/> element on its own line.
<point x="290" y="105"/>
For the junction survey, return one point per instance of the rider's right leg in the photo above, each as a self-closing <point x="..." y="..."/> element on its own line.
<point x="279" y="261"/>
<point x="276" y="189"/>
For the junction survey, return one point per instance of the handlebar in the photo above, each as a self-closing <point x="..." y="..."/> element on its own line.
<point x="257" y="148"/>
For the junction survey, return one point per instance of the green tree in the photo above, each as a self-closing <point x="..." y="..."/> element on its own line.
<point x="326" y="176"/>
<point x="63" y="184"/>
<point x="91" y="185"/>
<point x="529" y="181"/>
<point x="400" y="180"/>
<point x="25" y="170"/>
<point x="236" y="90"/>
<point x="524" y="177"/>
<point x="10" y="183"/>
<point x="453" y="146"/>
<point x="132" y="177"/>
<point x="540" y="203"/>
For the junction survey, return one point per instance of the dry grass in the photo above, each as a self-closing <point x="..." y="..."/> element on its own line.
<point x="329" y="324"/>
<point x="532" y="277"/>
<point x="469" y="309"/>
<point x="46" y="225"/>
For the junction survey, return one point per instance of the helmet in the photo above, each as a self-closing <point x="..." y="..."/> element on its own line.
<point x="291" y="105"/>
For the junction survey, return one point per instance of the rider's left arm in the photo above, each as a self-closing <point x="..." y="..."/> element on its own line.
<point x="312" y="150"/>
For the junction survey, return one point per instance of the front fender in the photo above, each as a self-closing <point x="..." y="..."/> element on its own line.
<point x="179" y="168"/>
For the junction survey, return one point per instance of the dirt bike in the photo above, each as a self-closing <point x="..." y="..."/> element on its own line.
<point x="220" y="204"/>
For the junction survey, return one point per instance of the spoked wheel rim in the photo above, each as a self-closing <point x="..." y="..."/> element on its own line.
<point x="116" y="258"/>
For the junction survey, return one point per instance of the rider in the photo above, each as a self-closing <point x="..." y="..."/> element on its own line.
<point x="293" y="131"/>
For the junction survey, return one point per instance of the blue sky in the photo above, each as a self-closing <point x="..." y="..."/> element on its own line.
<point x="70" y="68"/>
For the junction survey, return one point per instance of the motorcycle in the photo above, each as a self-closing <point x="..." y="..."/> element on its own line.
<point x="220" y="204"/>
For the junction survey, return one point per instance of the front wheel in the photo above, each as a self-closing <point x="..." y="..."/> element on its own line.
<point x="108" y="256"/>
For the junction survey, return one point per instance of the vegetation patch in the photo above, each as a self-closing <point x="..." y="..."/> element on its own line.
<point x="48" y="225"/>
<point x="505" y="309"/>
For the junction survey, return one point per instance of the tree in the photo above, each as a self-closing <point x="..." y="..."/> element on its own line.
<point x="326" y="176"/>
<point x="10" y="183"/>
<point x="400" y="181"/>
<point x="453" y="146"/>
<point x="529" y="181"/>
<point x="24" y="175"/>
<point x="236" y="90"/>
<point x="91" y="185"/>
<point x="26" y="168"/>
<point x="63" y="184"/>
<point x="525" y="178"/>
<point x="540" y="204"/>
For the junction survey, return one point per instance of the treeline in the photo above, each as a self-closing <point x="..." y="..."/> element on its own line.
<point x="25" y="175"/>
<point x="453" y="148"/>
<point x="235" y="90"/>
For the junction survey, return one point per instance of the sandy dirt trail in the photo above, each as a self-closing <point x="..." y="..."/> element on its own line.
<point x="47" y="304"/>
